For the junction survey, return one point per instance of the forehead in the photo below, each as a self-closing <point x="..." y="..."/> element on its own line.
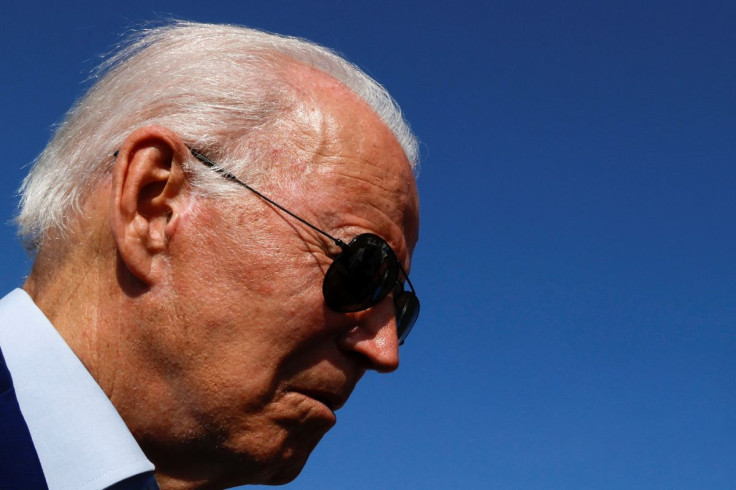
<point x="350" y="162"/>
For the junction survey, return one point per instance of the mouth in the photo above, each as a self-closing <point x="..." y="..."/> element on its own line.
<point x="331" y="400"/>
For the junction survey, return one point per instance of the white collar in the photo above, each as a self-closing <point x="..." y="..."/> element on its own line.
<point x="80" y="439"/>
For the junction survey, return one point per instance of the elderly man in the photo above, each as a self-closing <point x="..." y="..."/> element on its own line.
<point x="222" y="229"/>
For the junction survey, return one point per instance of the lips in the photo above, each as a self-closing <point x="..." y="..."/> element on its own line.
<point x="333" y="401"/>
<point x="329" y="388"/>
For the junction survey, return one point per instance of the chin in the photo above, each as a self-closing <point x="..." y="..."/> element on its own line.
<point x="291" y="462"/>
<point x="276" y="465"/>
<point x="285" y="475"/>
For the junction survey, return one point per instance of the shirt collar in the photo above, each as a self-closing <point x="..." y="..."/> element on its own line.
<point x="81" y="440"/>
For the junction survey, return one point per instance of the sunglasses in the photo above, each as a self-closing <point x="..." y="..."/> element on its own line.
<point x="364" y="272"/>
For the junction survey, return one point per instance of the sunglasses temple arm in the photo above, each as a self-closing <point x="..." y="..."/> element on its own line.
<point x="209" y="163"/>
<point x="233" y="178"/>
<point x="408" y="281"/>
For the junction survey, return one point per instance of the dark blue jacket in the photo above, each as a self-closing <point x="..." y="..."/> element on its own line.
<point x="19" y="465"/>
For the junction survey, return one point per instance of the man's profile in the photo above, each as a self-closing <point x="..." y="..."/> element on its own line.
<point x="222" y="229"/>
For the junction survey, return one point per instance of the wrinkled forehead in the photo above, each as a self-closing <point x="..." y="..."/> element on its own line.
<point x="350" y="160"/>
<point x="377" y="197"/>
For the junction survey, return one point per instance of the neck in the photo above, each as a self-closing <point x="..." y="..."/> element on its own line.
<point x="69" y="296"/>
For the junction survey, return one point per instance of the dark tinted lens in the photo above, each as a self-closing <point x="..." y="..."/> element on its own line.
<point x="407" y="311"/>
<point x="361" y="275"/>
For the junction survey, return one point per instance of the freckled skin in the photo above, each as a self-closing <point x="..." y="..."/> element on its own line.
<point x="250" y="353"/>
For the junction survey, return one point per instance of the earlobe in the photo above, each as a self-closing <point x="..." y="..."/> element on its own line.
<point x="147" y="197"/>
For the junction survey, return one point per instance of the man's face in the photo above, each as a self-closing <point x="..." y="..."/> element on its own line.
<point x="260" y="362"/>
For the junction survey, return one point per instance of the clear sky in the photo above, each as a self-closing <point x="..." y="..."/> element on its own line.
<point x="576" y="264"/>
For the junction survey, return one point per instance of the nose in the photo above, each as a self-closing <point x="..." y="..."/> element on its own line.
<point x="374" y="337"/>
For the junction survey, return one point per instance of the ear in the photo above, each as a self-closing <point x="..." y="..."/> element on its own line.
<point x="147" y="199"/>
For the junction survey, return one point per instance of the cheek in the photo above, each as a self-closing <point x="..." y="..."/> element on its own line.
<point x="239" y="393"/>
<point x="245" y="329"/>
<point x="256" y="256"/>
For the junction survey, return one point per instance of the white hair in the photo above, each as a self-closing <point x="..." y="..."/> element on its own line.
<point x="217" y="86"/>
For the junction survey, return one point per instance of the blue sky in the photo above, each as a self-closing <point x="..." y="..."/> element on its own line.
<point x="576" y="262"/>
